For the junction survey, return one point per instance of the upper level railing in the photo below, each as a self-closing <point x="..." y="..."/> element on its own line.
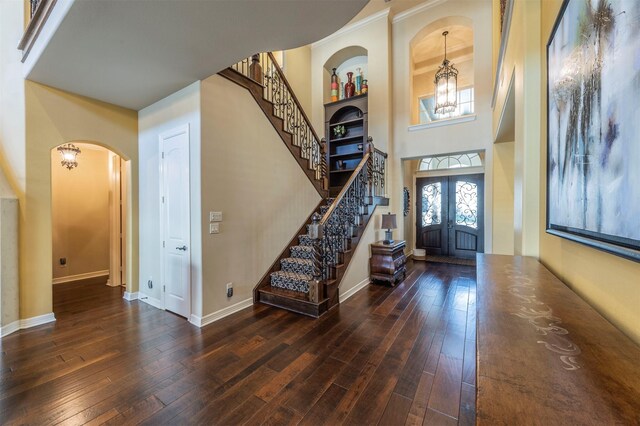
<point x="33" y="4"/>
<point x="264" y="69"/>
<point x="39" y="11"/>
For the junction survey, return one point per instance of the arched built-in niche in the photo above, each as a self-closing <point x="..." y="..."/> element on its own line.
<point x="344" y="60"/>
<point x="426" y="56"/>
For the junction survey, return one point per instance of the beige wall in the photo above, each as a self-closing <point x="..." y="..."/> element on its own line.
<point x="250" y="176"/>
<point x="375" y="37"/>
<point x="522" y="65"/>
<point x="298" y="72"/>
<point x="9" y="292"/>
<point x="503" y="201"/>
<point x="609" y="283"/>
<point x="80" y="212"/>
<point x="409" y="143"/>
<point x="12" y="118"/>
<point x="54" y="117"/>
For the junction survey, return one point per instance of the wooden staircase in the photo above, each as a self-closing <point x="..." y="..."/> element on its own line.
<point x="319" y="260"/>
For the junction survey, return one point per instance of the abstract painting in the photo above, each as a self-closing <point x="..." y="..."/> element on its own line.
<point x="593" y="165"/>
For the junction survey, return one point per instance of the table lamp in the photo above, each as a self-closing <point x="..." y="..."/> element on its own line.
<point x="388" y="223"/>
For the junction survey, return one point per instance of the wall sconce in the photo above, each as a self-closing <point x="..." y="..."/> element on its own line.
<point x="69" y="153"/>
<point x="388" y="223"/>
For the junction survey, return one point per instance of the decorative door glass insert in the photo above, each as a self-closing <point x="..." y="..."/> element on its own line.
<point x="432" y="204"/>
<point x="467" y="204"/>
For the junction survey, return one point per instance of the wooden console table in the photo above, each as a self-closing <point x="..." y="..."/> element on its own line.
<point x="544" y="355"/>
<point x="387" y="261"/>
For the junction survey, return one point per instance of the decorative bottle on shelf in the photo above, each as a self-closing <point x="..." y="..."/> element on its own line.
<point x="365" y="86"/>
<point x="334" y="86"/>
<point x="358" y="81"/>
<point x="349" y="88"/>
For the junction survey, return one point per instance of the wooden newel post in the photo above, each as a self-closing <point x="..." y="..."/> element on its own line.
<point x="255" y="69"/>
<point x="371" y="150"/>
<point x="316" y="292"/>
<point x="323" y="162"/>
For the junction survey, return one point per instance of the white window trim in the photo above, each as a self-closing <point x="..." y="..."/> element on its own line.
<point x="443" y="122"/>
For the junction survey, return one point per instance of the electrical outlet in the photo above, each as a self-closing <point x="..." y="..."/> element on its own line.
<point x="215" y="216"/>
<point x="150" y="283"/>
<point x="63" y="261"/>
<point x="214" y="228"/>
<point x="229" y="289"/>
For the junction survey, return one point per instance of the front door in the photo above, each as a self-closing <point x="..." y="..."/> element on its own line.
<point x="176" y="224"/>
<point x="450" y="215"/>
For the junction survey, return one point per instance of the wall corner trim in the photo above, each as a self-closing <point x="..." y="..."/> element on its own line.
<point x="353" y="290"/>
<point x="217" y="315"/>
<point x="27" y="323"/>
<point x="131" y="296"/>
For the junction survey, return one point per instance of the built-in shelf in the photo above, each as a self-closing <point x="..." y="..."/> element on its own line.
<point x="347" y="122"/>
<point x="345" y="100"/>
<point x="347" y="154"/>
<point x="342" y="170"/>
<point x="345" y="139"/>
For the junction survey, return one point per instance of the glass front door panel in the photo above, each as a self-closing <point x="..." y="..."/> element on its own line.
<point x="432" y="204"/>
<point x="467" y="204"/>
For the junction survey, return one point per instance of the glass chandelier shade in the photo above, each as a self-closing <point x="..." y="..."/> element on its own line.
<point x="69" y="153"/>
<point x="446" y="81"/>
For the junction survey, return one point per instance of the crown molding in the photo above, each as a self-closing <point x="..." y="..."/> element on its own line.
<point x="352" y="27"/>
<point x="416" y="9"/>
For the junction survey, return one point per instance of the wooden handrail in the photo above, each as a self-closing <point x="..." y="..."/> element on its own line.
<point x="345" y="188"/>
<point x="293" y="95"/>
<point x="384" y="154"/>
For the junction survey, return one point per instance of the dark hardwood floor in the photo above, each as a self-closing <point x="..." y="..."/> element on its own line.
<point x="389" y="356"/>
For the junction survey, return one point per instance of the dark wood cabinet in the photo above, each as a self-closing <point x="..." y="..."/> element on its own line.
<point x="345" y="152"/>
<point x="388" y="262"/>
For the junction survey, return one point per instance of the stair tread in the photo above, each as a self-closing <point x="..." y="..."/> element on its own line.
<point x="297" y="260"/>
<point x="293" y="275"/>
<point x="290" y="294"/>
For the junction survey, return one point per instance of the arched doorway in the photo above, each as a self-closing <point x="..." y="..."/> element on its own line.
<point x="90" y="187"/>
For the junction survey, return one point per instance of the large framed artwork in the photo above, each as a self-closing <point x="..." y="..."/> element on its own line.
<point x="593" y="116"/>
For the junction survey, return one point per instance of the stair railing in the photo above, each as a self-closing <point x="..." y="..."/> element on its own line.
<point x="335" y="229"/>
<point x="264" y="69"/>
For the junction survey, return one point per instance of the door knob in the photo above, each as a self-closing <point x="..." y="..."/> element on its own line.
<point x="183" y="248"/>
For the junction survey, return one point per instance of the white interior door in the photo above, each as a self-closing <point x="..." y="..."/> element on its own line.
<point x="176" y="265"/>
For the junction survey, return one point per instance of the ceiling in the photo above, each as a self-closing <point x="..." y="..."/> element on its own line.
<point x="428" y="53"/>
<point x="134" y="53"/>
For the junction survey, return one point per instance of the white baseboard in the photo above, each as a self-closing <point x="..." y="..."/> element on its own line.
<point x="79" y="277"/>
<point x="156" y="303"/>
<point x="131" y="296"/>
<point x="215" y="316"/>
<point x="353" y="290"/>
<point x="27" y="323"/>
<point x="9" y="328"/>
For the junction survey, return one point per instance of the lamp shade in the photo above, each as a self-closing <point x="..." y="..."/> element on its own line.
<point x="389" y="221"/>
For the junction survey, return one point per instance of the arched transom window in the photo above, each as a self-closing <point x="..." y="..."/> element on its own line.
<point x="457" y="161"/>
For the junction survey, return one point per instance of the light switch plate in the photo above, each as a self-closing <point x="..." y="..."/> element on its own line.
<point x="215" y="216"/>
<point x="214" y="228"/>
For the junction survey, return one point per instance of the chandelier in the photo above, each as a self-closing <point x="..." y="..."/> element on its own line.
<point x="446" y="84"/>
<point x="69" y="152"/>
